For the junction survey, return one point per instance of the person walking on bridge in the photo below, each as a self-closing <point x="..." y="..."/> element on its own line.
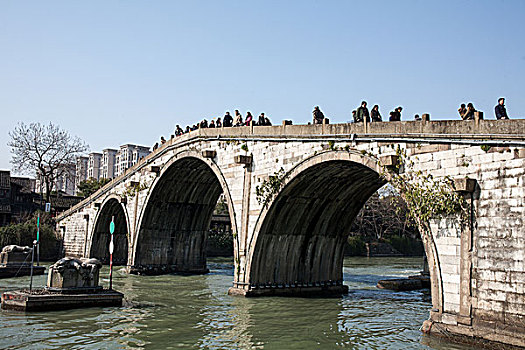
<point x="500" y="110"/>
<point x="470" y="112"/>
<point x="395" y="115"/>
<point x="375" y="115"/>
<point x="227" y="120"/>
<point x="318" y="115"/>
<point x="362" y="114"/>
<point x="238" y="118"/>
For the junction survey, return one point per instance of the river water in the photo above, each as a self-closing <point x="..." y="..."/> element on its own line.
<point x="189" y="312"/>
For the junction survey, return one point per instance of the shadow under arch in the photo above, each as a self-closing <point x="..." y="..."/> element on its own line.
<point x="101" y="236"/>
<point x="173" y="227"/>
<point x="298" y="243"/>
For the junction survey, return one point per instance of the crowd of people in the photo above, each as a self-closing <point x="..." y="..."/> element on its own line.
<point x="227" y="121"/>
<point x="467" y="112"/>
<point x="359" y="115"/>
<point x="362" y="114"/>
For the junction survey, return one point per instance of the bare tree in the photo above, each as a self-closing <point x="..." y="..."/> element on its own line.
<point x="382" y="216"/>
<point x="45" y="149"/>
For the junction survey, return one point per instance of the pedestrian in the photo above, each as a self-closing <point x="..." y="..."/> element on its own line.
<point x="318" y="115"/>
<point x="462" y="110"/>
<point x="469" y="115"/>
<point x="238" y="118"/>
<point x="218" y="124"/>
<point x="267" y="121"/>
<point x="395" y="115"/>
<point x="417" y="117"/>
<point x="212" y="124"/>
<point x="249" y="118"/>
<point x="362" y="113"/>
<point x="178" y="130"/>
<point x="155" y="146"/>
<point x="162" y="140"/>
<point x="227" y="120"/>
<point x="500" y="110"/>
<point x="375" y="115"/>
<point x="261" y="121"/>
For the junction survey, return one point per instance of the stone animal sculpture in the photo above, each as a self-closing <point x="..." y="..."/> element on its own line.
<point x="86" y="267"/>
<point x="16" y="249"/>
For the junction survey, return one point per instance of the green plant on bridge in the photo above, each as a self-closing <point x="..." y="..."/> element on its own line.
<point x="133" y="189"/>
<point x="427" y="197"/>
<point x="270" y="187"/>
<point x="485" y="148"/>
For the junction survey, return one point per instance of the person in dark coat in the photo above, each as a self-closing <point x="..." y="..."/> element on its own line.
<point x="212" y="124"/>
<point x="267" y="121"/>
<point x="395" y="115"/>
<point x="375" y="115"/>
<point x="227" y="120"/>
<point x="470" y="112"/>
<point x="261" y="121"/>
<point x="362" y="113"/>
<point x="500" y="110"/>
<point x="218" y="124"/>
<point x="318" y="115"/>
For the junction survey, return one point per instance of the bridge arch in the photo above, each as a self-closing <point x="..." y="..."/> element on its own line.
<point x="100" y="237"/>
<point x="299" y="237"/>
<point x="173" y="224"/>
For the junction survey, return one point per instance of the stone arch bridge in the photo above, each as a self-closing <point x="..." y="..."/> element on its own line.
<point x="293" y="243"/>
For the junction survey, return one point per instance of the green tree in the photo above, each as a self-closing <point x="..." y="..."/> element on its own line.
<point x="87" y="187"/>
<point x="24" y="234"/>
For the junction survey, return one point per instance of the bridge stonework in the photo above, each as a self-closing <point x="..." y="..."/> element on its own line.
<point x="294" y="243"/>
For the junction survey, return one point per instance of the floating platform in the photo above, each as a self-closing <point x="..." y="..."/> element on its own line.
<point x="43" y="300"/>
<point x="405" y="284"/>
<point x="8" y="271"/>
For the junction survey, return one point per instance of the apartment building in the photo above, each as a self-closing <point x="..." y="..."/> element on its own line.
<point x="109" y="161"/>
<point x="93" y="170"/>
<point x="129" y="155"/>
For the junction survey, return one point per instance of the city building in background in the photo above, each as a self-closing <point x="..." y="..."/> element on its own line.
<point x="109" y="161"/>
<point x="94" y="162"/>
<point x="129" y="155"/>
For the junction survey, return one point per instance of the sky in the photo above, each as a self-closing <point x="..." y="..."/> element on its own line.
<point x="115" y="72"/>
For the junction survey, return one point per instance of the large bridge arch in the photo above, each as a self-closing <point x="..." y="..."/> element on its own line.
<point x="173" y="224"/>
<point x="299" y="236"/>
<point x="110" y="209"/>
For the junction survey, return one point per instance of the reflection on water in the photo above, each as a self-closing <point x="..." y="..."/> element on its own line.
<point x="168" y="312"/>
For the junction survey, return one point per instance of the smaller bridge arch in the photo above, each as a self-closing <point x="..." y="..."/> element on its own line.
<point x="173" y="226"/>
<point x="100" y="238"/>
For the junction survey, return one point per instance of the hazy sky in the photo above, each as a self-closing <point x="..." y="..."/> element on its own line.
<point x="113" y="72"/>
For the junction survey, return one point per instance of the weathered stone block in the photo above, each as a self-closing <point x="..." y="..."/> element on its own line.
<point x="155" y="169"/>
<point x="209" y="153"/>
<point x="242" y="159"/>
<point x="465" y="185"/>
<point x="389" y="161"/>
